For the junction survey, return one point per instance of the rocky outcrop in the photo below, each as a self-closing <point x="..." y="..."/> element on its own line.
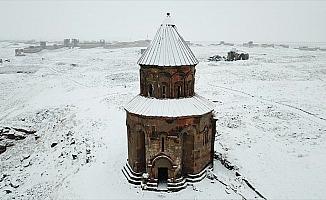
<point x="2" y="149"/>
<point x="216" y="58"/>
<point x="227" y="164"/>
<point x="232" y="56"/>
<point x="8" y="136"/>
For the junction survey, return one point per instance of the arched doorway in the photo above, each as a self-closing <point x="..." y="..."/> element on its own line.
<point x="163" y="169"/>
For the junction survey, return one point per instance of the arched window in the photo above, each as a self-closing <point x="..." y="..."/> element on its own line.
<point x="150" y="90"/>
<point x="163" y="91"/>
<point x="154" y="131"/>
<point x="190" y="90"/>
<point x="179" y="92"/>
<point x="206" y="134"/>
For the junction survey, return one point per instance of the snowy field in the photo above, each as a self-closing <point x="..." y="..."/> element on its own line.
<point x="271" y="123"/>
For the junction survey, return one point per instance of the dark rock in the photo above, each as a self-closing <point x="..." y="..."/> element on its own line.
<point x="5" y="130"/>
<point x="19" y="136"/>
<point x="24" y="130"/>
<point x="2" y="149"/>
<point x="233" y="55"/>
<point x="26" y="163"/>
<point x="88" y="151"/>
<point x="215" y="58"/>
<point x="10" y="136"/>
<point x="24" y="157"/>
<point x="210" y="176"/>
<point x="227" y="164"/>
<point x="54" y="144"/>
<point x="14" y="184"/>
<point x="69" y="133"/>
<point x="8" y="191"/>
<point x="74" y="156"/>
<point x="3" y="176"/>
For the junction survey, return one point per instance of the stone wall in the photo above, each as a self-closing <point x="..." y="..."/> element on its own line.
<point x="167" y="82"/>
<point x="187" y="143"/>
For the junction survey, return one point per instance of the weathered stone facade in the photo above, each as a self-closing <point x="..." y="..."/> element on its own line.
<point x="184" y="143"/>
<point x="168" y="82"/>
<point x="170" y="129"/>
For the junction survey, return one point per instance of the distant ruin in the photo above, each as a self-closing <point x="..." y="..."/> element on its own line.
<point x="233" y="55"/>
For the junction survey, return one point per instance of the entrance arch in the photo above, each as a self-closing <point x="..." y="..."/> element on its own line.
<point x="163" y="168"/>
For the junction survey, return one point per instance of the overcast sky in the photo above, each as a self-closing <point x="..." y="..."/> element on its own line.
<point x="264" y="21"/>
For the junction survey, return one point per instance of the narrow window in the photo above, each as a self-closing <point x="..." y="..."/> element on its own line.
<point x="189" y="88"/>
<point x="153" y="131"/>
<point x="203" y="139"/>
<point x="206" y="135"/>
<point x="179" y="91"/>
<point x="162" y="144"/>
<point x="163" y="91"/>
<point x="150" y="90"/>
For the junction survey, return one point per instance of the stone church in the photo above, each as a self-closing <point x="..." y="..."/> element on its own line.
<point x="170" y="128"/>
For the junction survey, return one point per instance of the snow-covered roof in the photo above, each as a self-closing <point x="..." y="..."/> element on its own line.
<point x="196" y="105"/>
<point x="168" y="48"/>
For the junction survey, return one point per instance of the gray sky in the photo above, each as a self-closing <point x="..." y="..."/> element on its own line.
<point x="278" y="21"/>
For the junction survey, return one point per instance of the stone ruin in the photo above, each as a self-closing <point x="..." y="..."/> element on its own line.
<point x="233" y="55"/>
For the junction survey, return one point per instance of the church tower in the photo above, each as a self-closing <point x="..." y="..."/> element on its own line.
<point x="170" y="128"/>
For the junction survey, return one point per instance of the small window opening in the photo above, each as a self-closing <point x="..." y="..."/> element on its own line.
<point x="153" y="131"/>
<point x="205" y="136"/>
<point x="189" y="88"/>
<point x="203" y="139"/>
<point x="162" y="146"/>
<point x="179" y="91"/>
<point x="163" y="91"/>
<point x="150" y="90"/>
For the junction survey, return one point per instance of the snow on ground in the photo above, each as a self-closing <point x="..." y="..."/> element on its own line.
<point x="272" y="118"/>
<point x="271" y="111"/>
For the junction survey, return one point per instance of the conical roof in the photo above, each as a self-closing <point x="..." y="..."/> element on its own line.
<point x="168" y="48"/>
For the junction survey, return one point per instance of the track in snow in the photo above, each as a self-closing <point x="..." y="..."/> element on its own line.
<point x="270" y="101"/>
